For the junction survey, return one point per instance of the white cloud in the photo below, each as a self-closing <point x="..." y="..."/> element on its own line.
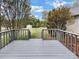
<point x="36" y="16"/>
<point x="58" y="3"/>
<point x="37" y="8"/>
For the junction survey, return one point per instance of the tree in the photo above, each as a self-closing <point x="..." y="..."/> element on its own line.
<point x="35" y="22"/>
<point x="15" y="10"/>
<point x="58" y="18"/>
<point x="1" y="21"/>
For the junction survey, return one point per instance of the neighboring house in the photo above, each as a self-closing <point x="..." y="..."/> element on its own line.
<point x="75" y="26"/>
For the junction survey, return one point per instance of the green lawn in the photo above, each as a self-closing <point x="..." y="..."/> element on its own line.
<point x="36" y="32"/>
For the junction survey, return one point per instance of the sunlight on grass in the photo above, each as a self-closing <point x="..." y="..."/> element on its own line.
<point x="36" y="32"/>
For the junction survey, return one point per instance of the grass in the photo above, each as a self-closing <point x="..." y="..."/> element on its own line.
<point x="20" y="35"/>
<point x="36" y="32"/>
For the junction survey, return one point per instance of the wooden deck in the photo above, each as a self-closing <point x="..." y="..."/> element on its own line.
<point x="36" y="49"/>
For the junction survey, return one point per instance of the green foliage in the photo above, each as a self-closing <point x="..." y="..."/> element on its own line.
<point x="1" y="21"/>
<point x="35" y="22"/>
<point x="58" y="18"/>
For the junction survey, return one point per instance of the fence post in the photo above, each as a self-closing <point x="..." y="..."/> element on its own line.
<point x="0" y="42"/>
<point x="65" y="38"/>
<point x="42" y="34"/>
<point x="76" y="44"/>
<point x="72" y="42"/>
<point x="12" y="35"/>
<point x="58" y="35"/>
<point x="29" y="34"/>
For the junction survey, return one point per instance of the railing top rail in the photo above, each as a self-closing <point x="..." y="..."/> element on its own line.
<point x="5" y="31"/>
<point x="63" y="31"/>
<point x="11" y="30"/>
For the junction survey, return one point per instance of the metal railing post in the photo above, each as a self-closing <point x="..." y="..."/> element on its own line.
<point x="0" y="41"/>
<point x="29" y="34"/>
<point x="42" y="34"/>
<point x="12" y="35"/>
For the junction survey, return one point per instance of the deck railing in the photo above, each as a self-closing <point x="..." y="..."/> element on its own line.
<point x="8" y="36"/>
<point x="69" y="39"/>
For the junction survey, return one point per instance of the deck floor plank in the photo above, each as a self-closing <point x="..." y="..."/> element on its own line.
<point x="36" y="49"/>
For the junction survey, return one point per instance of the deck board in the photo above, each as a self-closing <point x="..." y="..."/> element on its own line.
<point x="36" y="49"/>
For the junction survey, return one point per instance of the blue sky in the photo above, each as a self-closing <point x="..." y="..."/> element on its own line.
<point x="38" y="6"/>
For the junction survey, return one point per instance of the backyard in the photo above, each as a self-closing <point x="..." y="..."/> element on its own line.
<point x="39" y="29"/>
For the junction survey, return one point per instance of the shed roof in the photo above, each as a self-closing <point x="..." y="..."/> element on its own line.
<point x="75" y="10"/>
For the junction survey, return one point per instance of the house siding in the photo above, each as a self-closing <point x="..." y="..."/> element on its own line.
<point x="74" y="27"/>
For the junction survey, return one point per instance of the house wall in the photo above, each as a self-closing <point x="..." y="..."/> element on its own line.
<point x="75" y="10"/>
<point x="74" y="27"/>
